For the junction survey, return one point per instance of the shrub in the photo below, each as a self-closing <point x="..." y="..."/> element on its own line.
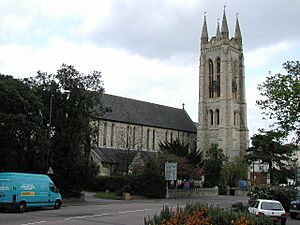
<point x="106" y="183"/>
<point x="239" y="207"/>
<point x="283" y="194"/>
<point x="198" y="213"/>
<point x="148" y="184"/>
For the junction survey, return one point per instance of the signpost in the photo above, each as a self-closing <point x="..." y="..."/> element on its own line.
<point x="298" y="174"/>
<point x="170" y="174"/>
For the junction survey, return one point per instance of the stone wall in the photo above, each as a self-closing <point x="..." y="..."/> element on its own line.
<point x="193" y="193"/>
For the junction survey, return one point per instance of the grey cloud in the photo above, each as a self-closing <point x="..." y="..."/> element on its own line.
<point x="150" y="28"/>
<point x="156" y="29"/>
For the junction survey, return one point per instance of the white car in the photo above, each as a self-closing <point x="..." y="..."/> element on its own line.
<point x="271" y="208"/>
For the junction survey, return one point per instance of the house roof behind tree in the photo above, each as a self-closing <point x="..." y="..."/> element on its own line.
<point x="147" y="114"/>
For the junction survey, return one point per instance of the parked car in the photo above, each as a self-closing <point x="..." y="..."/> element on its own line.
<point x="271" y="208"/>
<point x="295" y="206"/>
<point x="295" y="209"/>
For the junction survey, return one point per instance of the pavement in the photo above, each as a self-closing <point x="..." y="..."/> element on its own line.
<point x="88" y="199"/>
<point x="220" y="201"/>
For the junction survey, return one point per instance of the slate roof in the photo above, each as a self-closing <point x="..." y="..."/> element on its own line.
<point x="117" y="158"/>
<point x="113" y="155"/>
<point x="133" y="111"/>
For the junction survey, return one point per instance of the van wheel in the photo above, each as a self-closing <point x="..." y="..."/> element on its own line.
<point x="57" y="204"/>
<point x="22" y="207"/>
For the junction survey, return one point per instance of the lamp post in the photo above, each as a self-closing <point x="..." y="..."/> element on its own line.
<point x="67" y="92"/>
<point x="49" y="170"/>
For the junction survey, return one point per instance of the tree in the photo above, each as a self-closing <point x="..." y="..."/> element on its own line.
<point x="23" y="135"/>
<point x="267" y="149"/>
<point x="153" y="184"/>
<point x="213" y="165"/>
<point x="234" y="170"/>
<point x="127" y="139"/>
<point x="281" y="99"/>
<point x="73" y="100"/>
<point x="182" y="150"/>
<point x="189" y="161"/>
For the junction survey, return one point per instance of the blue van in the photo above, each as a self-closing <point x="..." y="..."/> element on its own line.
<point x="22" y="190"/>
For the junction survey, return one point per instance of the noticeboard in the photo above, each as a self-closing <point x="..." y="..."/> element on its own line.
<point x="170" y="171"/>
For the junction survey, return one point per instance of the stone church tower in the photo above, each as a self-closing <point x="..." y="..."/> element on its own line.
<point x="222" y="113"/>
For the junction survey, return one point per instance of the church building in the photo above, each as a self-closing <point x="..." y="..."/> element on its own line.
<point x="133" y="129"/>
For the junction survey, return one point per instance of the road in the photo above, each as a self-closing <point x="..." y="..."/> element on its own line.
<point x="109" y="212"/>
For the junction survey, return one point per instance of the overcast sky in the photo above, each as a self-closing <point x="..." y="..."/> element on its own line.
<point x="146" y="49"/>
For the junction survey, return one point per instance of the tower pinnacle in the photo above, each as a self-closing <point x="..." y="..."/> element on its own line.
<point x="204" y="34"/>
<point x="224" y="28"/>
<point x="218" y="34"/>
<point x="238" y="35"/>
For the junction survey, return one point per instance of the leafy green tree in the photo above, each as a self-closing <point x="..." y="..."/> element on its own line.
<point x="281" y="99"/>
<point x="212" y="166"/>
<point x="73" y="100"/>
<point x="234" y="170"/>
<point x="23" y="135"/>
<point x="267" y="149"/>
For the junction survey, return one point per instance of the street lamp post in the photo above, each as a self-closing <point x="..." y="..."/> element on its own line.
<point x="49" y="133"/>
<point x="67" y="92"/>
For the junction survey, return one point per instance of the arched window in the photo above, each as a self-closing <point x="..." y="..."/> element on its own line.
<point x="148" y="136"/>
<point x="218" y="66"/>
<point x="218" y="84"/>
<point x="104" y="133"/>
<point x="235" y="118"/>
<point x="211" y="113"/>
<point x="211" y="78"/>
<point x="217" y="116"/>
<point x="112" y="135"/>
<point x="133" y="138"/>
<point x="153" y="139"/>
<point x="234" y="88"/>
<point x="127" y="137"/>
<point x="210" y="67"/>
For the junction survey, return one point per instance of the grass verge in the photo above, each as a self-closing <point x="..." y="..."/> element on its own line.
<point x="109" y="195"/>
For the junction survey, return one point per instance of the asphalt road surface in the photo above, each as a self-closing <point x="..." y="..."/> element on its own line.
<point x="110" y="212"/>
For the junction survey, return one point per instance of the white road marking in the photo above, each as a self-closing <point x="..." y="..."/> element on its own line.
<point x="92" y="216"/>
<point x="133" y="211"/>
<point x="104" y="214"/>
<point x="34" y="223"/>
<point x="87" y="216"/>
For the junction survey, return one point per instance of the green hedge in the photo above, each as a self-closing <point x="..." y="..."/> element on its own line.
<point x="152" y="187"/>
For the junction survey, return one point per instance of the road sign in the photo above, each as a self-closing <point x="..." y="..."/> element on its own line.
<point x="50" y="171"/>
<point x="170" y="171"/>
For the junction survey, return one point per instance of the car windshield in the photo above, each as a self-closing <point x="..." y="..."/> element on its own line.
<point x="271" y="206"/>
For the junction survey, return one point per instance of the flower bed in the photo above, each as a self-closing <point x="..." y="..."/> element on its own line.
<point x="200" y="214"/>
